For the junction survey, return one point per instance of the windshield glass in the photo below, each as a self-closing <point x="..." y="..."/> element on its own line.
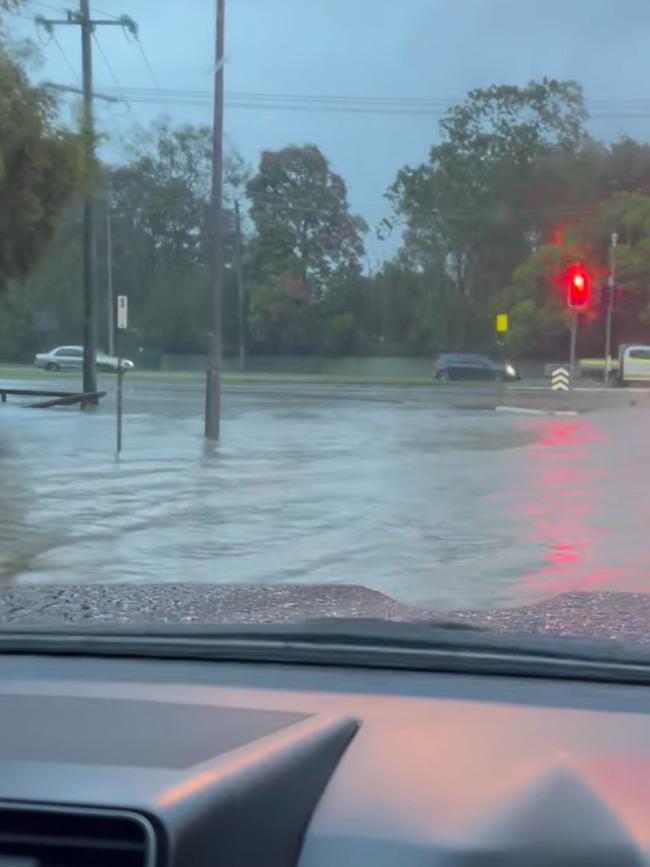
<point x="342" y="291"/>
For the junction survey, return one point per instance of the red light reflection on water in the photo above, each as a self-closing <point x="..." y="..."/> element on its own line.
<point x="559" y="504"/>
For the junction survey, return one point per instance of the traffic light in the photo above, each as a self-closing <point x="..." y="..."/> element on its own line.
<point x="578" y="283"/>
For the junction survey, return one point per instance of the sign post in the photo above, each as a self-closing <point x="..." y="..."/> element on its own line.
<point x="122" y="325"/>
<point x="502" y="328"/>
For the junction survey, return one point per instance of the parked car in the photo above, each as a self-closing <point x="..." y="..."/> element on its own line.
<point x="457" y="365"/>
<point x="71" y="358"/>
<point x="633" y="363"/>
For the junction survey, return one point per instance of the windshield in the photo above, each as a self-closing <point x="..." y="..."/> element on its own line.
<point x="339" y="289"/>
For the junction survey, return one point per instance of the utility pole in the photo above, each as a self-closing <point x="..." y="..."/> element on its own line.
<point x="216" y="271"/>
<point x="87" y="24"/>
<point x="240" y="289"/>
<point x="89" y="238"/>
<point x="213" y="378"/>
<point x="611" y="290"/>
<point x="110" y="301"/>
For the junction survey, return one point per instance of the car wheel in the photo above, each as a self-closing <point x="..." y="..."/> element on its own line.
<point x="443" y="375"/>
<point x="51" y="366"/>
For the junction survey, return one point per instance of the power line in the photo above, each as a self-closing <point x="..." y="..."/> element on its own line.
<point x="108" y="65"/>
<point x="365" y="106"/>
<point x="65" y="57"/>
<point x="107" y="14"/>
<point x="49" y="6"/>
<point x="151" y="72"/>
<point x="417" y="102"/>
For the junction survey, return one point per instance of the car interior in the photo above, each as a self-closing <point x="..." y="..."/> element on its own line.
<point x="118" y="760"/>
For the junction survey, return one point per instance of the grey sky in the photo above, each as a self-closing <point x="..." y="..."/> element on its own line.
<point x="376" y="48"/>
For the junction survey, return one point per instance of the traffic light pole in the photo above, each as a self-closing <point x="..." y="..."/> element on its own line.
<point x="572" y="355"/>
<point x="578" y="282"/>
<point x="611" y="285"/>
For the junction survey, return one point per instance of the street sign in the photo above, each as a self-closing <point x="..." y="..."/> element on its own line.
<point x="502" y="322"/>
<point x="122" y="312"/>
<point x="560" y="379"/>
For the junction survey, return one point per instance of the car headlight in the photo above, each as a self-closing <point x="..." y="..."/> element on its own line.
<point x="510" y="370"/>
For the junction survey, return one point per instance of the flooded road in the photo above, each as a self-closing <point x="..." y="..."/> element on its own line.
<point x="397" y="491"/>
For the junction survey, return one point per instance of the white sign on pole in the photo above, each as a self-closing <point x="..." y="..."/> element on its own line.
<point x="122" y="311"/>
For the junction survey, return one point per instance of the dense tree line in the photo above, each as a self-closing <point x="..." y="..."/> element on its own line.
<point x="514" y="190"/>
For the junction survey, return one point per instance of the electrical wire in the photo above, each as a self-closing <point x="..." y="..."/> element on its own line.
<point x="347" y="105"/>
<point x="111" y="71"/>
<point x="383" y="101"/>
<point x="55" y="40"/>
<point x="107" y="14"/>
<point x="152" y="74"/>
<point x="48" y="6"/>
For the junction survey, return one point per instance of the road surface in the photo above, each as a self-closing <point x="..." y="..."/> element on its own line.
<point x="397" y="490"/>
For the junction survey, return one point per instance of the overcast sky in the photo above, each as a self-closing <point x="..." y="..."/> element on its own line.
<point x="369" y="48"/>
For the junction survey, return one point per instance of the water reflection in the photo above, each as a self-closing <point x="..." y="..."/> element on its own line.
<point x="18" y="544"/>
<point x="569" y="505"/>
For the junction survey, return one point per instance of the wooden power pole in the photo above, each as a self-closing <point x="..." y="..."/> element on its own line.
<point x="87" y="24"/>
<point x="216" y="270"/>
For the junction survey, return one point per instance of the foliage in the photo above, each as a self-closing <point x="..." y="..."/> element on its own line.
<point x="538" y="310"/>
<point x="300" y="211"/>
<point x="473" y="210"/>
<point x="40" y="170"/>
<point x="514" y="191"/>
<point x="305" y="240"/>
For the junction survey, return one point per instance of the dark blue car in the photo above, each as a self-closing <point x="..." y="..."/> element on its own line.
<point x="459" y="365"/>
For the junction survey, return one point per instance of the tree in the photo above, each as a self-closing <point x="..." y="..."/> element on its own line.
<point x="475" y="209"/>
<point x="301" y="214"/>
<point x="160" y="201"/>
<point x="305" y="238"/>
<point x="536" y="298"/>
<point x="40" y="170"/>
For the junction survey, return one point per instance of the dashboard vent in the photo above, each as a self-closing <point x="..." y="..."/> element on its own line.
<point x="49" y="837"/>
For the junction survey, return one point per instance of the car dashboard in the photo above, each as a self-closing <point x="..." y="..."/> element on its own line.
<point x="143" y="762"/>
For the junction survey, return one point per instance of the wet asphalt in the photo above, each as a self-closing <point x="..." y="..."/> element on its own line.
<point x="398" y="490"/>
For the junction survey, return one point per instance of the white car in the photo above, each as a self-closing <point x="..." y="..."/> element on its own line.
<point x="71" y="358"/>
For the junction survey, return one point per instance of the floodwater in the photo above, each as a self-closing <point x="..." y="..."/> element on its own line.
<point x="396" y="491"/>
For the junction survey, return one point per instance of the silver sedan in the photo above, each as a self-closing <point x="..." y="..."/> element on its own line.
<point x="71" y="358"/>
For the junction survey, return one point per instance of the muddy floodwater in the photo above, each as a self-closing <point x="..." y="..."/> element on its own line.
<point x="397" y="491"/>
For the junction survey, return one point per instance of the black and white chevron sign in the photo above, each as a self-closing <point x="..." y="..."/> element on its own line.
<point x="560" y="379"/>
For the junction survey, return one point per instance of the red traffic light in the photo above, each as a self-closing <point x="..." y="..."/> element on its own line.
<point x="578" y="283"/>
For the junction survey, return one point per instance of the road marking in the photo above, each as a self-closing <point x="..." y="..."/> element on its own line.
<point x="526" y="410"/>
